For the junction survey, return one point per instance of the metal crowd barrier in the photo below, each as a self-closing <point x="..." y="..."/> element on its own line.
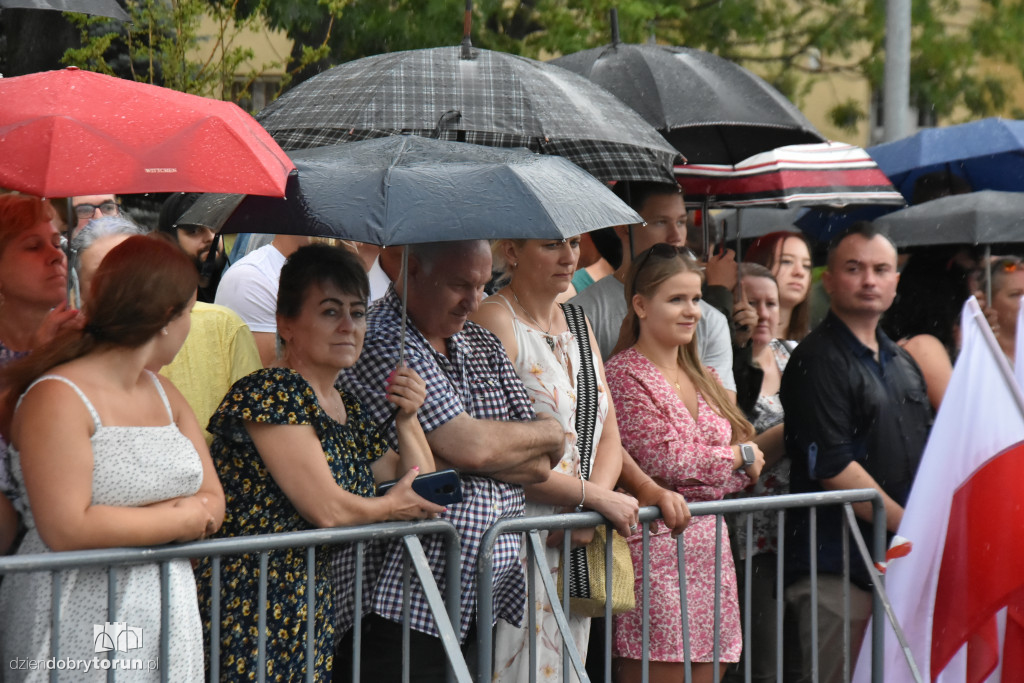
<point x="446" y="610"/>
<point x="571" y="660"/>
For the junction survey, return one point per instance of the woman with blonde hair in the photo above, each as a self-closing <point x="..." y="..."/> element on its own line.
<point x="684" y="431"/>
<point x="548" y="354"/>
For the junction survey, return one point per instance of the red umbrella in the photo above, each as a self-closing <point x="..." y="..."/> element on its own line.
<point x="73" y="132"/>
<point x="826" y="174"/>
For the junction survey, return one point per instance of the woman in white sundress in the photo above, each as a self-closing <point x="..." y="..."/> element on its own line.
<point x="535" y="333"/>
<point x="128" y="466"/>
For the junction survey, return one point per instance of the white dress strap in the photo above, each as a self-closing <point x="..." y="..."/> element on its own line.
<point x="508" y="304"/>
<point x="163" y="394"/>
<point x="81" y="394"/>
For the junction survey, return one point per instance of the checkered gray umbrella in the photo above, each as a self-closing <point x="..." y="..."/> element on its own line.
<point x="493" y="99"/>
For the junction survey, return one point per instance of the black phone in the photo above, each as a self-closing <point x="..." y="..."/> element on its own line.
<point x="443" y="487"/>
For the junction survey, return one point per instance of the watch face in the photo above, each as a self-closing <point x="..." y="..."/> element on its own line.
<point x="747" y="453"/>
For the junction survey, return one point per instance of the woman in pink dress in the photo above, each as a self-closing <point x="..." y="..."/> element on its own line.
<point x="682" y="429"/>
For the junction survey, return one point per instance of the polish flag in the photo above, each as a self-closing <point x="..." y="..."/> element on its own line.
<point x="959" y="594"/>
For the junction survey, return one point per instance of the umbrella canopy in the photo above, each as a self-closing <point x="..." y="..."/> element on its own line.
<point x="74" y="132"/>
<point x="490" y="98"/>
<point x="826" y="174"/>
<point x="985" y="217"/>
<point x="712" y="110"/>
<point x="408" y="189"/>
<point x="99" y="8"/>
<point x="987" y="154"/>
<point x="756" y="222"/>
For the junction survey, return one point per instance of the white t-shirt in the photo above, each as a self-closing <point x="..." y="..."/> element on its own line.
<point x="249" y="288"/>
<point x="379" y="281"/>
<point x="604" y="302"/>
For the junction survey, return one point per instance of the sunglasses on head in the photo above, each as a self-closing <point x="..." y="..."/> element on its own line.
<point x="1008" y="265"/>
<point x="663" y="250"/>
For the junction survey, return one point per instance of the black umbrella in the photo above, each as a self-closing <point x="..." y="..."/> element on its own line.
<point x="99" y="8"/>
<point x="712" y="110"/>
<point x="472" y="95"/>
<point x="408" y="189"/>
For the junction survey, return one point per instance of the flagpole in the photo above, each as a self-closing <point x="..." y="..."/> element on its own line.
<point x="993" y="345"/>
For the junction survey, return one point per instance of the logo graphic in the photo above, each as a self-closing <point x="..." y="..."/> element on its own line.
<point x="117" y="636"/>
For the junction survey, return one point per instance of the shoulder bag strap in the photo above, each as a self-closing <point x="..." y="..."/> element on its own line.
<point x="586" y="387"/>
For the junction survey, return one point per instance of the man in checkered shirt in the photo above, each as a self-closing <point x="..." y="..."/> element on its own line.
<point x="479" y="420"/>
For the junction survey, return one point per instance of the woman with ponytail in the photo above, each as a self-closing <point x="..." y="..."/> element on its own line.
<point x="683" y="430"/>
<point x="106" y="454"/>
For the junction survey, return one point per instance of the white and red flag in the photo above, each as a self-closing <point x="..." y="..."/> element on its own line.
<point x="959" y="595"/>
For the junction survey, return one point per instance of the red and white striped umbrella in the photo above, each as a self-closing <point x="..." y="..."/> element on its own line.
<point x="823" y="174"/>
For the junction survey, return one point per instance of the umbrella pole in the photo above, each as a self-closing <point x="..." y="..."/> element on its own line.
<point x="988" y="275"/>
<point x="739" y="233"/>
<point x="705" y="224"/>
<point x="68" y="234"/>
<point x="405" y="305"/>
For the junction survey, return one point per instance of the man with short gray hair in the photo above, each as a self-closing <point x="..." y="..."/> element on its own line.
<point x="478" y="419"/>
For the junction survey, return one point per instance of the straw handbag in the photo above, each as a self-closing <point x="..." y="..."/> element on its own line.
<point x="587" y="565"/>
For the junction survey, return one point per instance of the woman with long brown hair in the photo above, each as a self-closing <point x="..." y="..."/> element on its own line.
<point x="788" y="256"/>
<point x="684" y="431"/>
<point x="107" y="454"/>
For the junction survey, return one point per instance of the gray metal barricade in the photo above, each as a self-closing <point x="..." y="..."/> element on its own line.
<point x="571" y="658"/>
<point x="446" y="610"/>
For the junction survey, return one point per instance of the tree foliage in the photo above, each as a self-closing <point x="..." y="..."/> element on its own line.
<point x="792" y="44"/>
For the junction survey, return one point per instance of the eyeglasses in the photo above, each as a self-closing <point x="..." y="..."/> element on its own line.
<point x="107" y="208"/>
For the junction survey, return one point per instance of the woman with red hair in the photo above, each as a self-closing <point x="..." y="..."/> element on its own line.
<point x="788" y="256"/>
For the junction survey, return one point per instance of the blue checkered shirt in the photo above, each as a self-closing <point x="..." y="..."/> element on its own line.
<point x="476" y="377"/>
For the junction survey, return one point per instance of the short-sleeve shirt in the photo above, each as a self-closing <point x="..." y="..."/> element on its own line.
<point x="842" y="406"/>
<point x="476" y="378"/>
<point x="249" y="288"/>
<point x="604" y="302"/>
<point x="255" y="504"/>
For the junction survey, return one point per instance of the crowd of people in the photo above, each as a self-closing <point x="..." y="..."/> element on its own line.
<point x="276" y="397"/>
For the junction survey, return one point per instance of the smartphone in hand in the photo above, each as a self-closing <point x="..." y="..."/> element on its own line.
<point x="443" y="487"/>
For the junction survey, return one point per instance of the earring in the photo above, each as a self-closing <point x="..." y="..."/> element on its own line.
<point x="164" y="331"/>
<point x="515" y="265"/>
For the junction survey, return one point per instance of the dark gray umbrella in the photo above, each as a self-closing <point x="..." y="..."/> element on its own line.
<point x="489" y="98"/>
<point x="712" y="110"/>
<point x="99" y="8"/>
<point x="985" y="217"/>
<point x="408" y="189"/>
<point x="758" y="221"/>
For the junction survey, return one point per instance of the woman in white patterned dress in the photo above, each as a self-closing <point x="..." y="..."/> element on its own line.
<point x="127" y="467"/>
<point x="534" y="331"/>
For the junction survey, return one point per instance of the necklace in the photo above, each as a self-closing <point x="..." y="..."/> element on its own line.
<point x="675" y="381"/>
<point x="547" y="332"/>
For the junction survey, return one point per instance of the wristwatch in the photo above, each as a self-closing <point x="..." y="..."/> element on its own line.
<point x="747" y="453"/>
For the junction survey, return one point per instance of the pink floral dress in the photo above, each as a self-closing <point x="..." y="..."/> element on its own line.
<point x="659" y="432"/>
